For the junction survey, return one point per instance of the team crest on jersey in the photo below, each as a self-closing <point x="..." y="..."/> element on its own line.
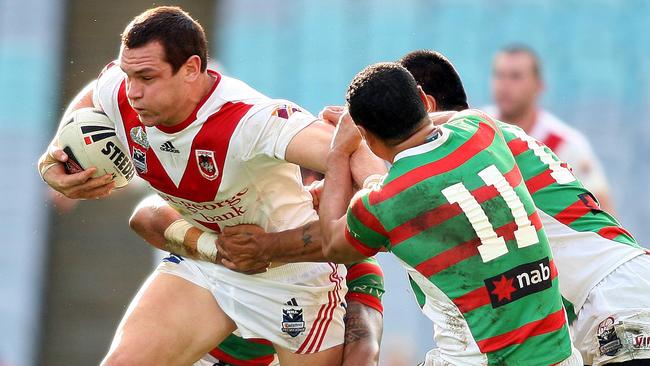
<point x="207" y="164"/>
<point x="139" y="136"/>
<point x="520" y="281"/>
<point x="292" y="319"/>
<point x="285" y="111"/>
<point x="139" y="160"/>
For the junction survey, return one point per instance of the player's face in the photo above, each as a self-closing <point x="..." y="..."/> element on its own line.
<point x="153" y="91"/>
<point x="515" y="87"/>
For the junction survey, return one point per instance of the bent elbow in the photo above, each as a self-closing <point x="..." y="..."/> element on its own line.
<point x="137" y="222"/>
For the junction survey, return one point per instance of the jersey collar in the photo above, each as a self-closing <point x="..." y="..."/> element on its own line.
<point x="426" y="147"/>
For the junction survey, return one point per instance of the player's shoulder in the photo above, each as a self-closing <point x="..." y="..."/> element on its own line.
<point x="550" y="124"/>
<point x="110" y="75"/>
<point x="230" y="92"/>
<point x="474" y="118"/>
<point x="230" y="89"/>
<point x="262" y="107"/>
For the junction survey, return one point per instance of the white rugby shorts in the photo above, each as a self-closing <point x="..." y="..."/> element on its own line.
<point x="614" y="323"/>
<point x="297" y="306"/>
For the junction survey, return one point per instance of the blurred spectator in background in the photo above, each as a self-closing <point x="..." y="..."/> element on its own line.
<point x="517" y="85"/>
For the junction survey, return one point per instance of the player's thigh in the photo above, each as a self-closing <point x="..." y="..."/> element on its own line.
<point x="171" y="321"/>
<point x="330" y="357"/>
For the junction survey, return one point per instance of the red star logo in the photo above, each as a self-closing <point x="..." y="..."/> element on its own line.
<point x="503" y="288"/>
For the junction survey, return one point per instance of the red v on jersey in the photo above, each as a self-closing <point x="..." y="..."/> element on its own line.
<point x="214" y="136"/>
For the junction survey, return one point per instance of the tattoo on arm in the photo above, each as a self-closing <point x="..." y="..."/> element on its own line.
<point x="306" y="236"/>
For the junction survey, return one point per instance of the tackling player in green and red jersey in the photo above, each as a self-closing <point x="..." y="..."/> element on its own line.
<point x="363" y="318"/>
<point x="604" y="274"/>
<point x="455" y="211"/>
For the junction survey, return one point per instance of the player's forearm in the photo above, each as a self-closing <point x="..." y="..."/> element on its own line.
<point x="363" y="328"/>
<point x="335" y="198"/>
<point x="152" y="222"/>
<point x="303" y="244"/>
<point x="364" y="163"/>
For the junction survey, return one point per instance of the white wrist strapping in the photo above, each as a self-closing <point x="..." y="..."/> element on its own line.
<point x="373" y="180"/>
<point x="206" y="245"/>
<point x="175" y="233"/>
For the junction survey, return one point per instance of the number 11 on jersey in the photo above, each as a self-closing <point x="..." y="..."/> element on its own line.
<point x="493" y="246"/>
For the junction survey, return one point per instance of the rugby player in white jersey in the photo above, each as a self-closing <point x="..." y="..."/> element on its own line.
<point x="221" y="154"/>
<point x="517" y="85"/>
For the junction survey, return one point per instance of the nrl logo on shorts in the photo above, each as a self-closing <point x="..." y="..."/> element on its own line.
<point x="207" y="164"/>
<point x="292" y="320"/>
<point x="139" y="136"/>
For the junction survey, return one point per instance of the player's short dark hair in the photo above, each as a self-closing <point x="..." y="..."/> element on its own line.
<point x="179" y="34"/>
<point x="438" y="78"/>
<point x="515" y="48"/>
<point x="383" y="98"/>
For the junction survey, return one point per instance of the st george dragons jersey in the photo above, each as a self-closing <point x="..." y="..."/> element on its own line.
<point x="365" y="281"/>
<point x="224" y="165"/>
<point x="587" y="242"/>
<point x="457" y="213"/>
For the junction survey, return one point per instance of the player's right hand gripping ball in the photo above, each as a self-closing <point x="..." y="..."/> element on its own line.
<point x="89" y="140"/>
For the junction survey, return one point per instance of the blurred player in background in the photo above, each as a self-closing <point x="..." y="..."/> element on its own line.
<point x="604" y="274"/>
<point x="517" y="85"/>
<point x="487" y="280"/>
<point x="219" y="152"/>
<point x="363" y="319"/>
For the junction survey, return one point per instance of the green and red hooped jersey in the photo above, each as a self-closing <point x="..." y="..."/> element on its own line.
<point x="365" y="281"/>
<point x="456" y="212"/>
<point x="587" y="242"/>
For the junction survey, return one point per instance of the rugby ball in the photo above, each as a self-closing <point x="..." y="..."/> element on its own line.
<point x="89" y="139"/>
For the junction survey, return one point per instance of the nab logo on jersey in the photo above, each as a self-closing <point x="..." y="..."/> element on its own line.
<point x="520" y="281"/>
<point x="207" y="164"/>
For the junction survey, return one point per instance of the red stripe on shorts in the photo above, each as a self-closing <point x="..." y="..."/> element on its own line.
<point x="318" y="323"/>
<point x="334" y="277"/>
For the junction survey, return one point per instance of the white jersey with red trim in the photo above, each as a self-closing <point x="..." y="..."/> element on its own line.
<point x="222" y="166"/>
<point x="570" y="145"/>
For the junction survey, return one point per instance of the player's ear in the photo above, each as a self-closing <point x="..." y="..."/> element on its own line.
<point x="371" y="140"/>
<point x="192" y="68"/>
<point x="429" y="101"/>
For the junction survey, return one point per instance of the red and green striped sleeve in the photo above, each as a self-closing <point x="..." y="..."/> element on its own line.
<point x="238" y="351"/>
<point x="364" y="231"/>
<point x="366" y="283"/>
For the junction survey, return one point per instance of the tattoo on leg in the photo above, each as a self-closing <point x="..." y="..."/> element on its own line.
<point x="306" y="236"/>
<point x="355" y="329"/>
